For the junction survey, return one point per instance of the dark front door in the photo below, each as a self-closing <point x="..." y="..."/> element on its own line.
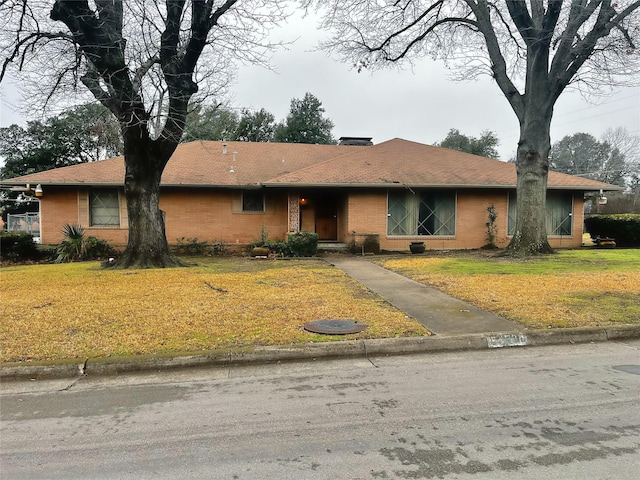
<point x="327" y="219"/>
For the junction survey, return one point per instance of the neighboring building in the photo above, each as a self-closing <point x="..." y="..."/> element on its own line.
<point x="400" y="190"/>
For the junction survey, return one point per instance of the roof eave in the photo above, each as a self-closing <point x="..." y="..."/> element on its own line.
<point x="587" y="188"/>
<point x="427" y="185"/>
<point x="62" y="183"/>
<point x="298" y="185"/>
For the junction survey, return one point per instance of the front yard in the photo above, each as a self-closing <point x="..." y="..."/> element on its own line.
<point x="76" y="310"/>
<point x="572" y="288"/>
<point x="52" y="312"/>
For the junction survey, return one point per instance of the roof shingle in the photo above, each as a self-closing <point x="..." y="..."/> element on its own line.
<point x="397" y="161"/>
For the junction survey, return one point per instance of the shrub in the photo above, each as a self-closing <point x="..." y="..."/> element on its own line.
<point x="72" y="245"/>
<point x="624" y="228"/>
<point x="218" y="248"/>
<point x="18" y="246"/>
<point x="75" y="247"/>
<point x="191" y="246"/>
<point x="303" y="244"/>
<point x="278" y="247"/>
<point x="98" y="249"/>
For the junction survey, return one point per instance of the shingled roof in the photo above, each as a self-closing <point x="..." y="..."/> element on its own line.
<point x="236" y="164"/>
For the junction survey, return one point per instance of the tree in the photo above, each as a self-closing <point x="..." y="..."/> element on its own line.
<point x="305" y="123"/>
<point x="210" y="123"/>
<point x="581" y="154"/>
<point x="84" y="134"/>
<point x="144" y="60"/>
<point x="485" y="146"/>
<point x="629" y="147"/>
<point x="533" y="50"/>
<point x="258" y="126"/>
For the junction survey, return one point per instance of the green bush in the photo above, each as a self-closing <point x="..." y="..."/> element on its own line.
<point x="218" y="248"/>
<point x="98" y="249"/>
<point x="75" y="247"/>
<point x="72" y="245"/>
<point x="191" y="246"/>
<point x="303" y="244"/>
<point x="279" y="247"/>
<point x="624" y="228"/>
<point x="18" y="246"/>
<point x="196" y="248"/>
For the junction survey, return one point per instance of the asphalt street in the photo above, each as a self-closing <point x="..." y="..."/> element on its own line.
<point x="556" y="412"/>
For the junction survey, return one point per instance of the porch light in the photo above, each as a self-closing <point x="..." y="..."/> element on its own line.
<point x="38" y="191"/>
<point x="602" y="200"/>
<point x="304" y="201"/>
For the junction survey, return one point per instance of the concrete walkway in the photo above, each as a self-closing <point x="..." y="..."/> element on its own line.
<point x="440" y="313"/>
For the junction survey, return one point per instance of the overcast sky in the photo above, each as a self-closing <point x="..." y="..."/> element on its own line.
<point x="419" y="105"/>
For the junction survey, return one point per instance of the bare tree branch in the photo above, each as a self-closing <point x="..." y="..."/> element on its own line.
<point x="535" y="50"/>
<point x="144" y="60"/>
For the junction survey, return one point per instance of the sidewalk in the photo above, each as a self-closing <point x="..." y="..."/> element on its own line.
<point x="440" y="313"/>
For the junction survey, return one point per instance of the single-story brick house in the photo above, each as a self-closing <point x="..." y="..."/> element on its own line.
<point x="402" y="191"/>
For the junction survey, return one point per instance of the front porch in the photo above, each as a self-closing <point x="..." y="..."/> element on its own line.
<point x="320" y="212"/>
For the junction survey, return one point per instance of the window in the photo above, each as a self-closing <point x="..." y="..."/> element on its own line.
<point x="252" y="201"/>
<point x="421" y="213"/>
<point x="104" y="208"/>
<point x="559" y="220"/>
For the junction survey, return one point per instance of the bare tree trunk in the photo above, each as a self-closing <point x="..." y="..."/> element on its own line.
<point x="147" y="245"/>
<point x="530" y="236"/>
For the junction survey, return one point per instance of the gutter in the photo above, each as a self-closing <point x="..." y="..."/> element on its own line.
<point x="293" y="185"/>
<point x="435" y="185"/>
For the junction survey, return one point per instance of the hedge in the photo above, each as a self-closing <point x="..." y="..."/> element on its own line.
<point x="303" y="244"/>
<point x="18" y="246"/>
<point x="624" y="228"/>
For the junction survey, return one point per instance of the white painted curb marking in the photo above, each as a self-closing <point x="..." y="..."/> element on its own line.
<point x="507" y="340"/>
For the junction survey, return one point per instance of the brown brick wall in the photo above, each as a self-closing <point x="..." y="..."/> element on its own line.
<point x="216" y="216"/>
<point x="57" y="207"/>
<point x="206" y="215"/>
<point x="368" y="214"/>
<point x="60" y="206"/>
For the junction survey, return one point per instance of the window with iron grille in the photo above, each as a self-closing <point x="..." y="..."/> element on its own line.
<point x="104" y="208"/>
<point x="559" y="215"/>
<point x="429" y="212"/>
<point x="252" y="201"/>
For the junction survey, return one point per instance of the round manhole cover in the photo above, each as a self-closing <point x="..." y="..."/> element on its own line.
<point x="334" y="327"/>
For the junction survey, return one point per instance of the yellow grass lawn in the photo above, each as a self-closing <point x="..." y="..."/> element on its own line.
<point x="536" y="300"/>
<point x="78" y="310"/>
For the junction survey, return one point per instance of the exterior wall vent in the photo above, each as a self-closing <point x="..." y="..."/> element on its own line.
<point x="359" y="141"/>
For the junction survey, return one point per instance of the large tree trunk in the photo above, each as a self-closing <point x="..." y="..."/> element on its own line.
<point x="530" y="236"/>
<point x="147" y="245"/>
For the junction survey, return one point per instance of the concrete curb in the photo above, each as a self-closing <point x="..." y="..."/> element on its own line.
<point x="312" y="351"/>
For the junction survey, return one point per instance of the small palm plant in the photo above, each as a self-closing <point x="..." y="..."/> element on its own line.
<point x="73" y="245"/>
